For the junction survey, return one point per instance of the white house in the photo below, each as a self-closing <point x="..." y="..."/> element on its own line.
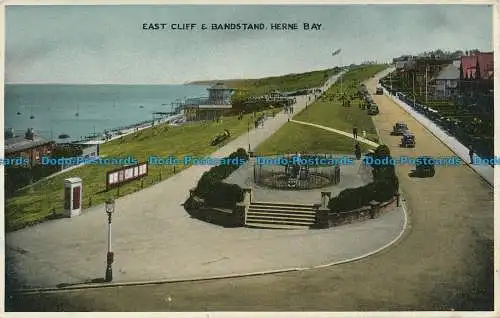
<point x="445" y="84"/>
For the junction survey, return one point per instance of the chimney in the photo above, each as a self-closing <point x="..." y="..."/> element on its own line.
<point x="29" y="134"/>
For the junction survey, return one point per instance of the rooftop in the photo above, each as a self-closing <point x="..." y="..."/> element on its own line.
<point x="221" y="86"/>
<point x="20" y="143"/>
<point x="470" y="62"/>
<point x="450" y="72"/>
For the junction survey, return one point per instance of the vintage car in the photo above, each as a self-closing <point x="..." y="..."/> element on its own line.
<point x="399" y="128"/>
<point x="408" y="140"/>
<point x="373" y="109"/>
<point x="425" y="167"/>
<point x="380" y="91"/>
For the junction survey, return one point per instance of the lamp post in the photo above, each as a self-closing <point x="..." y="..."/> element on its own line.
<point x="110" y="208"/>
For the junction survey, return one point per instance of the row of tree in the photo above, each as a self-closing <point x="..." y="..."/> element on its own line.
<point x="440" y="54"/>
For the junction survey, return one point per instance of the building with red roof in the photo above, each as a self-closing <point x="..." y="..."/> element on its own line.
<point x="477" y="66"/>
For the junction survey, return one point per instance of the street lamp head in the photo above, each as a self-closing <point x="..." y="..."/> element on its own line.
<point x="110" y="206"/>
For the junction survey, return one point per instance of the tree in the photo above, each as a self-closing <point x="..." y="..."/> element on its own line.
<point x="478" y="70"/>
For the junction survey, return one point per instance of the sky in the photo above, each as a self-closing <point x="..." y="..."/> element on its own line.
<point x="107" y="44"/>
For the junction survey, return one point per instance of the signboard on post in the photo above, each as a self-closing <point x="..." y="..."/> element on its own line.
<point x="117" y="177"/>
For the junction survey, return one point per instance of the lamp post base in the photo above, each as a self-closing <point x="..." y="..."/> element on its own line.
<point x="109" y="270"/>
<point x="109" y="274"/>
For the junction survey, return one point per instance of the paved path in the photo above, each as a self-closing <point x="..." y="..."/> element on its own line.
<point x="485" y="171"/>
<point x="340" y="132"/>
<point x="155" y="239"/>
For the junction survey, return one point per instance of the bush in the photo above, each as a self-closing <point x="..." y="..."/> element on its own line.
<point x="382" y="151"/>
<point x="384" y="186"/>
<point x="17" y="177"/>
<point x="224" y="195"/>
<point x="217" y="193"/>
<point x="351" y="199"/>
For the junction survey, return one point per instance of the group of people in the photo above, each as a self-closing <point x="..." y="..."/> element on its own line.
<point x="260" y="120"/>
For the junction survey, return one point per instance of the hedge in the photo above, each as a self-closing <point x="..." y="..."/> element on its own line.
<point x="384" y="186"/>
<point x="217" y="193"/>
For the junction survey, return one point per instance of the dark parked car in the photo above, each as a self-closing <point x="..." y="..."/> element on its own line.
<point x="373" y="109"/>
<point x="399" y="129"/>
<point x="408" y="140"/>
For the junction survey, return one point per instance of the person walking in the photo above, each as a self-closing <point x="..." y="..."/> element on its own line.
<point x="355" y="133"/>
<point x="471" y="155"/>
<point x="357" y="150"/>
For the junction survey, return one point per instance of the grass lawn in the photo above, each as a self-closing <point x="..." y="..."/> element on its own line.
<point x="34" y="204"/>
<point x="328" y="110"/>
<point x="289" y="82"/>
<point x="294" y="137"/>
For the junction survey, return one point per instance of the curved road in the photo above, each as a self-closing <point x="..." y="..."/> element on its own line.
<point x="444" y="261"/>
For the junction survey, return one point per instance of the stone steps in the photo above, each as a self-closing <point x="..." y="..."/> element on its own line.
<point x="280" y="215"/>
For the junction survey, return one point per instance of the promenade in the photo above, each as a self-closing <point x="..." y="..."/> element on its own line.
<point x="155" y="239"/>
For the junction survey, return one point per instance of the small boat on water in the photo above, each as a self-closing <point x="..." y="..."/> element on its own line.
<point x="19" y="113"/>
<point x="63" y="136"/>
<point x="32" y="117"/>
<point x="141" y="106"/>
<point x="77" y="111"/>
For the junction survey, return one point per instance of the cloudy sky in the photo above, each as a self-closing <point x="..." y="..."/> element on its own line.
<point x="106" y="44"/>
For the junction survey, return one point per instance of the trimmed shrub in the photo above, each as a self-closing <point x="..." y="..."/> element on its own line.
<point x="351" y="199"/>
<point x="384" y="186"/>
<point x="224" y="195"/>
<point x="382" y="151"/>
<point x="217" y="193"/>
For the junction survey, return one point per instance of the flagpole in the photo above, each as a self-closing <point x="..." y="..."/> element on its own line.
<point x="413" y="89"/>
<point x="341" y="78"/>
<point x="338" y="51"/>
<point x="390" y="79"/>
<point x="426" y="83"/>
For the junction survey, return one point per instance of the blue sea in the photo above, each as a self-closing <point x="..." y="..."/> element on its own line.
<point x="100" y="107"/>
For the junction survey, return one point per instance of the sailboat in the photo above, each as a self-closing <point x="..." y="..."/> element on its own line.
<point x="32" y="117"/>
<point x="77" y="111"/>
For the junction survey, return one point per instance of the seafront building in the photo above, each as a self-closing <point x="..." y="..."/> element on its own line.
<point x="212" y="107"/>
<point x="29" y="146"/>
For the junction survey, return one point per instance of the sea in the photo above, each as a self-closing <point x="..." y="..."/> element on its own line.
<point x="99" y="107"/>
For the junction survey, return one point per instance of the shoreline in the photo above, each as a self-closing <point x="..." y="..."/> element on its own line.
<point x="122" y="131"/>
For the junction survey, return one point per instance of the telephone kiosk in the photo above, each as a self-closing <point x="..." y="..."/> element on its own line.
<point x="73" y="191"/>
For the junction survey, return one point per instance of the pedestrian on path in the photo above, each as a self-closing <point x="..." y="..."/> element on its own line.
<point x="471" y="155"/>
<point x="355" y="133"/>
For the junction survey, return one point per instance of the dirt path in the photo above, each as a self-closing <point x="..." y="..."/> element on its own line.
<point x="443" y="262"/>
